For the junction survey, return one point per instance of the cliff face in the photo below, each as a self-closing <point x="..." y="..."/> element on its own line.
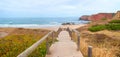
<point x="117" y="15"/>
<point x="101" y="16"/>
<point x="98" y="16"/>
<point x="84" y="17"/>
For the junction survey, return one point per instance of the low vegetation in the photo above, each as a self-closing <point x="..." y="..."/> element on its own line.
<point x="19" y="40"/>
<point x="97" y="28"/>
<point x="112" y="25"/>
<point x="104" y="19"/>
<point x="40" y="51"/>
<point x="103" y="36"/>
<point x="102" y="46"/>
<point x="115" y="21"/>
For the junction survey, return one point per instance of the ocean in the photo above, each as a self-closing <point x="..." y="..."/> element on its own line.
<point x="38" y="22"/>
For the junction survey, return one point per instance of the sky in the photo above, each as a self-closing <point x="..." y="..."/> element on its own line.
<point x="56" y="8"/>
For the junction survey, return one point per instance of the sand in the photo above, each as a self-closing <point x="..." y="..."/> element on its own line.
<point x="55" y="28"/>
<point x="5" y="31"/>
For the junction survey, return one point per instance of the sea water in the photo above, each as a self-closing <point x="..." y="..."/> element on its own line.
<point x="38" y="22"/>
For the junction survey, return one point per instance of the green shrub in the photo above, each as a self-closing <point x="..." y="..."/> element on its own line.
<point x="104" y="18"/>
<point x="97" y="28"/>
<point x="113" y="26"/>
<point x="110" y="26"/>
<point x="115" y="21"/>
<point x="13" y="45"/>
<point x="40" y="51"/>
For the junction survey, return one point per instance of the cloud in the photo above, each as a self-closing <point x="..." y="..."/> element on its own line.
<point x="53" y="8"/>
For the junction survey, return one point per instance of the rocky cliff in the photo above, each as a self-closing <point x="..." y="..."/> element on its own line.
<point x="98" y="16"/>
<point x="84" y="17"/>
<point x="117" y="15"/>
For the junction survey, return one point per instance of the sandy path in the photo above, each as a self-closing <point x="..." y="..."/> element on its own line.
<point x="65" y="47"/>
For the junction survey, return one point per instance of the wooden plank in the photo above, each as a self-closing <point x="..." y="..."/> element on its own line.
<point x="64" y="47"/>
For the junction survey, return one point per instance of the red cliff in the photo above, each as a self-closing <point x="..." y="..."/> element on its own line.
<point x="98" y="16"/>
<point x="101" y="16"/>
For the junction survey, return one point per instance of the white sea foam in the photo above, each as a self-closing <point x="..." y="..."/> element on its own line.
<point x="27" y="25"/>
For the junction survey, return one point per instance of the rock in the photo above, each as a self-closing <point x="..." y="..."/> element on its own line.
<point x="69" y="23"/>
<point x="117" y="15"/>
<point x="98" y="16"/>
<point x="84" y="17"/>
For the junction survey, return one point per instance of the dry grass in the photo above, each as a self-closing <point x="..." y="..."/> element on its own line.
<point x="20" y="39"/>
<point x="98" y="51"/>
<point x="102" y="46"/>
<point x="112" y="34"/>
<point x="8" y="30"/>
<point x="105" y="43"/>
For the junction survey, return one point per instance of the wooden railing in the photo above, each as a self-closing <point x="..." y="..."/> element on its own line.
<point x="50" y="38"/>
<point x="75" y="36"/>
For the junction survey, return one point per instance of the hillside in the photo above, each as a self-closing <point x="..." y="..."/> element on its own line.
<point x="103" y="35"/>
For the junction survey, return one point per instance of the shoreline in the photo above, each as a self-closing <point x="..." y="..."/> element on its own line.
<point x="54" y="27"/>
<point x="7" y="30"/>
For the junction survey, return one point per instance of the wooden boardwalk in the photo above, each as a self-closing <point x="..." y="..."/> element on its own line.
<point x="65" y="47"/>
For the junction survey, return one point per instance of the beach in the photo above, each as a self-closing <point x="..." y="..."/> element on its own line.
<point x="4" y="31"/>
<point x="64" y="26"/>
<point x="55" y="28"/>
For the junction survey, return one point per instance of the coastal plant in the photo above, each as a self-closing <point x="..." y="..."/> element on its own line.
<point x="19" y="40"/>
<point x="109" y="26"/>
<point x="115" y="21"/>
<point x="97" y="28"/>
<point x="40" y="51"/>
<point x="103" y="44"/>
<point x="113" y="26"/>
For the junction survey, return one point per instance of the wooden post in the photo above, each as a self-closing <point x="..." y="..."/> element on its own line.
<point x="47" y="46"/>
<point x="90" y="51"/>
<point x="68" y="29"/>
<point x="69" y="32"/>
<point x="53" y="37"/>
<point x="56" y="34"/>
<point x="78" y="42"/>
<point x="60" y="29"/>
<point x="72" y="35"/>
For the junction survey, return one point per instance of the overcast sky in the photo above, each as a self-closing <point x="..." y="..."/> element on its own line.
<point x="56" y="8"/>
